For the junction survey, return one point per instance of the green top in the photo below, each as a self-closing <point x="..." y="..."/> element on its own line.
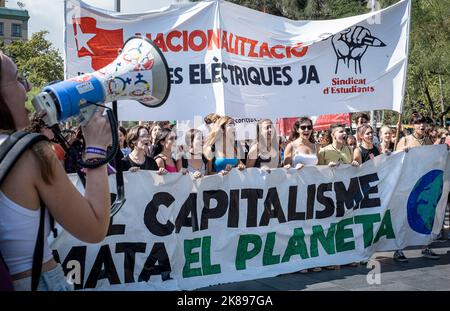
<point x="330" y="154"/>
<point x="7" y="13"/>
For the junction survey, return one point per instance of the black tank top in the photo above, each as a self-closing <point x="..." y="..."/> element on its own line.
<point x="368" y="154"/>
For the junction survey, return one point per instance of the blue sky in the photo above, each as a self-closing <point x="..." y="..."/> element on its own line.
<point x="49" y="14"/>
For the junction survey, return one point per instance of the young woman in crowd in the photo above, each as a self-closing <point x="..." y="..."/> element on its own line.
<point x="302" y="150"/>
<point x="123" y="141"/>
<point x="162" y="151"/>
<point x="193" y="160"/>
<point x="386" y="144"/>
<point x="138" y="140"/>
<point x="264" y="153"/>
<point x="324" y="139"/>
<point x="416" y="139"/>
<point x="366" y="150"/>
<point x="351" y="141"/>
<point x="154" y="130"/>
<point x="38" y="177"/>
<point x="220" y="148"/>
<point x="441" y="136"/>
<point x="209" y="121"/>
<point x="337" y="152"/>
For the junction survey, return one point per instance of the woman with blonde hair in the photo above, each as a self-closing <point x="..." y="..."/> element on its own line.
<point x="220" y="147"/>
<point x="386" y="144"/>
<point x="366" y="150"/>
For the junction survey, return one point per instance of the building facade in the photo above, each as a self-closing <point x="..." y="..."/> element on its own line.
<point x="13" y="24"/>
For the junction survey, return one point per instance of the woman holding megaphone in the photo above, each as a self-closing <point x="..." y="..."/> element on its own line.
<point x="38" y="179"/>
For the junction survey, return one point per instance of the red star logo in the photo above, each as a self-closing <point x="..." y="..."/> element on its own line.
<point x="101" y="45"/>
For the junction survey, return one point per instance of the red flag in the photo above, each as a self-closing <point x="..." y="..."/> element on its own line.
<point x="101" y="45"/>
<point x="323" y="122"/>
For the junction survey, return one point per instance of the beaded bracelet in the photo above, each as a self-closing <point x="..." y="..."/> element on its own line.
<point x="95" y="150"/>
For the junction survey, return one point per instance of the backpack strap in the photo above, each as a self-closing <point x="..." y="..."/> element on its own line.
<point x="38" y="254"/>
<point x="13" y="147"/>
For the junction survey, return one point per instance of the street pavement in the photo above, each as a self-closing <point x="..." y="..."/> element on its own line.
<point x="418" y="274"/>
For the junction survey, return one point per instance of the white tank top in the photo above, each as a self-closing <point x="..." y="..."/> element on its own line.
<point x="305" y="159"/>
<point x="18" y="233"/>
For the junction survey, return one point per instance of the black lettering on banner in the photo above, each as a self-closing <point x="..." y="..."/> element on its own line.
<point x="328" y="211"/>
<point x="221" y="198"/>
<point x="178" y="76"/>
<point x="231" y="69"/>
<point x="239" y="78"/>
<point x="158" y="254"/>
<point x="150" y="220"/>
<point x="215" y="71"/>
<point x="311" y="197"/>
<point x="129" y="249"/>
<point x="103" y="259"/>
<point x="277" y="77"/>
<point x="233" y="210"/>
<point x="252" y="196"/>
<point x="203" y="78"/>
<point x="292" y="205"/>
<point x="309" y="74"/>
<point x="272" y="200"/>
<point x="350" y="197"/>
<point x="286" y="74"/>
<point x="77" y="253"/>
<point x="245" y="75"/>
<point x="224" y="67"/>
<point x="115" y="229"/>
<point x="367" y="189"/>
<point x="183" y="219"/>
<point x="194" y="75"/>
<point x="254" y="76"/>
<point x="267" y="82"/>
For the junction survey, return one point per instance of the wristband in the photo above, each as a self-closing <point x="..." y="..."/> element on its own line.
<point x="95" y="150"/>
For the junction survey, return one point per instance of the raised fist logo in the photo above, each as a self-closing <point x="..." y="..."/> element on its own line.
<point x="351" y="44"/>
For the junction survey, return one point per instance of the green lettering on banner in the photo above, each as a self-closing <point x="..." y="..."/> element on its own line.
<point x="268" y="257"/>
<point x="385" y="228"/>
<point x="191" y="258"/>
<point x="343" y="233"/>
<point x="367" y="222"/>
<point x="296" y="246"/>
<point x="243" y="254"/>
<point x="207" y="268"/>
<point x="327" y="241"/>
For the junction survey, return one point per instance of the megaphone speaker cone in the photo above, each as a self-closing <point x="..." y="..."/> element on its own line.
<point x="140" y="72"/>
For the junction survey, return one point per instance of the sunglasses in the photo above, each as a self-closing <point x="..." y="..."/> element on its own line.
<point x="304" y="127"/>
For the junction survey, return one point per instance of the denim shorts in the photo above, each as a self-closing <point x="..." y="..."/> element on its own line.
<point x="52" y="280"/>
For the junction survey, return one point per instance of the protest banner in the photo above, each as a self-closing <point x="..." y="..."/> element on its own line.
<point x="175" y="232"/>
<point x="239" y="62"/>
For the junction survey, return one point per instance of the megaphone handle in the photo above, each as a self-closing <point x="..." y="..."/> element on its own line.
<point x="114" y="148"/>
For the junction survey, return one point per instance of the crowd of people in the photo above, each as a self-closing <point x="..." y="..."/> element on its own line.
<point x="213" y="148"/>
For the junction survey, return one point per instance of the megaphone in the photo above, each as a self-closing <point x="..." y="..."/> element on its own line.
<point x="139" y="72"/>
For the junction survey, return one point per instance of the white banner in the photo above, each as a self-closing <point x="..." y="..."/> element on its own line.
<point x="240" y="62"/>
<point x="177" y="233"/>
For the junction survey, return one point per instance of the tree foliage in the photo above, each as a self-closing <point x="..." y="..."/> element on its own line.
<point x="37" y="58"/>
